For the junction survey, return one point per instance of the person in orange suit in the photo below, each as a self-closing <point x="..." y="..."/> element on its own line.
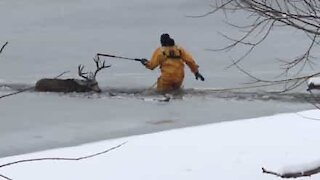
<point x="171" y="60"/>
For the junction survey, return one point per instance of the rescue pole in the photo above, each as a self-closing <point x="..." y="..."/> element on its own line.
<point x="119" y="57"/>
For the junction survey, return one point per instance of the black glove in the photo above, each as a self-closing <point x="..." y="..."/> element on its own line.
<point x="198" y="75"/>
<point x="144" y="61"/>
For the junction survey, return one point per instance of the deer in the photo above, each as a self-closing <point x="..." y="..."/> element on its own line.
<point x="87" y="84"/>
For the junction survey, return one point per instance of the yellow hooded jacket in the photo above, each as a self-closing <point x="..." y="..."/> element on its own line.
<point x="171" y="60"/>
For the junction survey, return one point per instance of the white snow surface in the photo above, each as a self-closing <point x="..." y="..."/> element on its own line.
<point x="49" y="37"/>
<point x="232" y="150"/>
<point x="314" y="80"/>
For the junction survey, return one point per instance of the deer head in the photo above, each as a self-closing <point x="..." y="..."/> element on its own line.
<point x="90" y="78"/>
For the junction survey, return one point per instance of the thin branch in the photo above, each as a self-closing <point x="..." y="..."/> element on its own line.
<point x="263" y="16"/>
<point x="213" y="11"/>
<point x="2" y="48"/>
<point x="306" y="117"/>
<point x="58" y="159"/>
<point x="295" y="82"/>
<point x="17" y="92"/>
<point x="29" y="88"/>
<point x="63" y="159"/>
<point x="314" y="103"/>
<point x="61" y="74"/>
<point x="5" y="177"/>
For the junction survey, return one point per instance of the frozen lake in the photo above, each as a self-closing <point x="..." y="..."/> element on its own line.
<point x="49" y="37"/>
<point x="34" y="121"/>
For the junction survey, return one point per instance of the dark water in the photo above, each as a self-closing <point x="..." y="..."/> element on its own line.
<point x="244" y="94"/>
<point x="33" y="121"/>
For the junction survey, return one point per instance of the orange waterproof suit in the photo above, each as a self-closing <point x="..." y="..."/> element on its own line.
<point x="171" y="60"/>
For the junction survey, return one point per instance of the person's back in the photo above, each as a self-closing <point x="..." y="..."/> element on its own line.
<point x="171" y="59"/>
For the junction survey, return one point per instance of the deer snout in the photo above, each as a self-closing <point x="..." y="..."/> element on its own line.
<point x="96" y="88"/>
<point x="98" y="91"/>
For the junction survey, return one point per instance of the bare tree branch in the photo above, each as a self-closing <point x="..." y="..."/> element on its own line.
<point x="2" y="48"/>
<point x="59" y="159"/>
<point x="263" y="16"/>
<point x="214" y="10"/>
<point x="316" y="100"/>
<point x="61" y="74"/>
<point x="17" y="92"/>
<point x="29" y="88"/>
<point x="5" y="177"/>
<point x="306" y="117"/>
<point x="289" y="83"/>
<point x="63" y="159"/>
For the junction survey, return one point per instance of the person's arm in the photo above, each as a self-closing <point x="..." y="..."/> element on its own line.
<point x="188" y="59"/>
<point x="155" y="60"/>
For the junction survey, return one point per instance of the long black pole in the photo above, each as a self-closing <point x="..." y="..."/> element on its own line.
<point x="119" y="57"/>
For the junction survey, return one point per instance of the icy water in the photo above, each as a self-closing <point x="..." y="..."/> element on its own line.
<point x="33" y="121"/>
<point x="48" y="37"/>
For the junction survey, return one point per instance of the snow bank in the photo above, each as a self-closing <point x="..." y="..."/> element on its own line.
<point x="232" y="150"/>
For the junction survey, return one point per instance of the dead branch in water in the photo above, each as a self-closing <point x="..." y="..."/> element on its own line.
<point x="29" y="88"/>
<point x="4" y="177"/>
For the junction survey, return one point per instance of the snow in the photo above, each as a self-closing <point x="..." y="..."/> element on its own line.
<point x="232" y="150"/>
<point x="314" y="80"/>
<point x="49" y="37"/>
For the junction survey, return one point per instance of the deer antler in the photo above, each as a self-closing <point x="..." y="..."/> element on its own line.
<point x="81" y="73"/>
<point x="100" y="65"/>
